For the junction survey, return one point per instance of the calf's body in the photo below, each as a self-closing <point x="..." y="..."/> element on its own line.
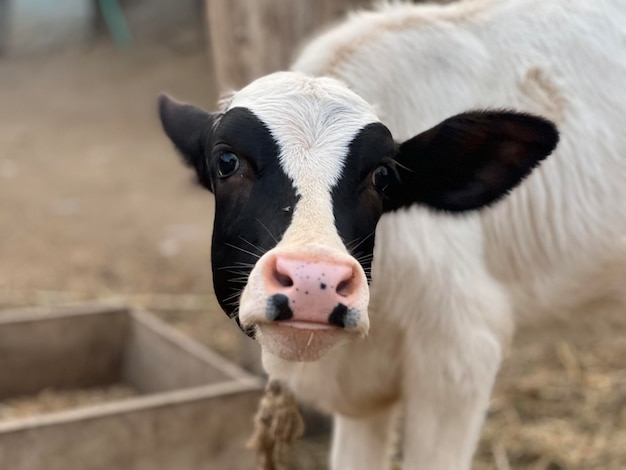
<point x="427" y="338"/>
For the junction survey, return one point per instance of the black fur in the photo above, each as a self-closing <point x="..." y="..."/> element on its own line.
<point x="357" y="206"/>
<point x="470" y="160"/>
<point x="189" y="128"/>
<point x="253" y="207"/>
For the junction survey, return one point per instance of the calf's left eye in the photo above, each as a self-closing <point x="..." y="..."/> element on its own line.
<point x="227" y="164"/>
<point x="380" y="178"/>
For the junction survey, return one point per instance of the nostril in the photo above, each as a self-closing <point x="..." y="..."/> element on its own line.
<point x="282" y="273"/>
<point x="345" y="288"/>
<point x="342" y="288"/>
<point x="283" y="279"/>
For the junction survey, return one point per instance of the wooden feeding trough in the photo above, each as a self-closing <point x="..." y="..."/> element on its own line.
<point x="192" y="409"/>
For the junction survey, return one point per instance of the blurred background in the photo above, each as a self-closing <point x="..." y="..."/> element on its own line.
<point x="96" y="206"/>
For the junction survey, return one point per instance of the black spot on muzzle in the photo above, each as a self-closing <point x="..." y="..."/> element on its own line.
<point x="278" y="308"/>
<point x="338" y="315"/>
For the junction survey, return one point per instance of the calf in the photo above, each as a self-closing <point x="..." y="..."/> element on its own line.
<point x="361" y="229"/>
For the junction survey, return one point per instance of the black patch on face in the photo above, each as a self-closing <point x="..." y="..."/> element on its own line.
<point x="278" y="308"/>
<point x="338" y="315"/>
<point x="357" y="205"/>
<point x="253" y="207"/>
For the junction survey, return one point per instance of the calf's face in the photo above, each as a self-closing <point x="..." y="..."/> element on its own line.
<point x="302" y="170"/>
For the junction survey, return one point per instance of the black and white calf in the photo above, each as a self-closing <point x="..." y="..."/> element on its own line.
<point x="363" y="164"/>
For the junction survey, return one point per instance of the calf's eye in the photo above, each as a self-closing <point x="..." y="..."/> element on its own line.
<point x="380" y="178"/>
<point x="227" y="164"/>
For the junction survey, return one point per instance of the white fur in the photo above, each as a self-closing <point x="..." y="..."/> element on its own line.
<point x="447" y="289"/>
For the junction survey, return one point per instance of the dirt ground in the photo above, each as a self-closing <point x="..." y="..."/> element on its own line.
<point x="94" y="204"/>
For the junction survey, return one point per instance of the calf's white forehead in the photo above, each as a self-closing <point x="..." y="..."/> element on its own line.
<point x="313" y="120"/>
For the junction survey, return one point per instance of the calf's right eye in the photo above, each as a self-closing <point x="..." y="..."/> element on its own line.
<point x="227" y="164"/>
<point x="380" y="178"/>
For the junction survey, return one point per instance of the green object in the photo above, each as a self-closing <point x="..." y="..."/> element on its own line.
<point x="116" y="22"/>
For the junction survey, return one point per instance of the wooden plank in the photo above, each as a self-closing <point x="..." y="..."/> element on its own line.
<point x="251" y="38"/>
<point x="193" y="429"/>
<point x="71" y="348"/>
<point x="158" y="358"/>
<point x="46" y="313"/>
<point x="94" y="345"/>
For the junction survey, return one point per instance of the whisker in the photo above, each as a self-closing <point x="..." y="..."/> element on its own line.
<point x="237" y="265"/>
<point x="235" y="313"/>
<point x="242" y="250"/>
<point x="364" y="258"/>
<point x="234" y="294"/>
<point x="268" y="231"/>
<point x="362" y="241"/>
<point x="256" y="247"/>
<point x="238" y="272"/>
<point x="230" y="298"/>
<point x="351" y="243"/>
<point x="396" y="162"/>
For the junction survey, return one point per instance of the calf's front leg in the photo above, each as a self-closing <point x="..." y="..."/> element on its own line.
<point x="363" y="443"/>
<point x="448" y="381"/>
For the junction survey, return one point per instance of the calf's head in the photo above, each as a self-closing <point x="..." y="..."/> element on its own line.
<point x="302" y="170"/>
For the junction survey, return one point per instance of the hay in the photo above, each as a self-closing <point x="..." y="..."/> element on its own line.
<point x="52" y="400"/>
<point x="559" y="406"/>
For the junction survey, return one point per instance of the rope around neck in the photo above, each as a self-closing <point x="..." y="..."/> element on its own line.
<point x="277" y="426"/>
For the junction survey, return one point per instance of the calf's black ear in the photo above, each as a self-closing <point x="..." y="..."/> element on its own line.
<point x="189" y="128"/>
<point x="470" y="160"/>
